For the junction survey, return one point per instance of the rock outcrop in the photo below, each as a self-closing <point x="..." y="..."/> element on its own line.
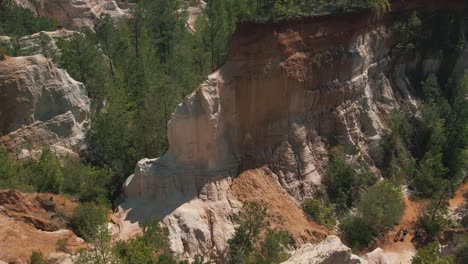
<point x="40" y="105"/>
<point x="288" y="93"/>
<point x="74" y="14"/>
<point x="44" y="42"/>
<point x="329" y="251"/>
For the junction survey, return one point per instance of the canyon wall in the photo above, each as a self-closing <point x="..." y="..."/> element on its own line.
<point x="40" y="105"/>
<point x="74" y="14"/>
<point x="288" y="93"/>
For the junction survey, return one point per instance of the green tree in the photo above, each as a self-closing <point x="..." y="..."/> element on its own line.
<point x="430" y="254"/>
<point x="379" y="208"/>
<point x="45" y="173"/>
<point x="343" y="183"/>
<point x="18" y="21"/>
<point x="83" y="60"/>
<point x="382" y="206"/>
<point x="218" y="31"/>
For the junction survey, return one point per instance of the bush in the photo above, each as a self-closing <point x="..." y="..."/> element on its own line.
<point x="61" y="245"/>
<point x="430" y="254"/>
<point x="378" y="209"/>
<point x="356" y="231"/>
<point x="431" y="226"/>
<point x="151" y="247"/>
<point x="382" y="206"/>
<point x="86" y="219"/>
<point x="343" y="183"/>
<point x="244" y="245"/>
<point x="46" y="172"/>
<point x="37" y="258"/>
<point x="87" y="182"/>
<point x="318" y="211"/>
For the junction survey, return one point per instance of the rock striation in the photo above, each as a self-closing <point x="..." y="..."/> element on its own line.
<point x="74" y="14"/>
<point x="288" y="93"/>
<point x="40" y="104"/>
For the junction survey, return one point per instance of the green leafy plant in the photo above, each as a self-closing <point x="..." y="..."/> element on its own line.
<point x="320" y="212"/>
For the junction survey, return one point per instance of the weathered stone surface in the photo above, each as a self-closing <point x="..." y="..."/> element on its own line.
<point x="74" y="14"/>
<point x="329" y="251"/>
<point x="44" y="42"/>
<point x="40" y="105"/>
<point x="288" y="93"/>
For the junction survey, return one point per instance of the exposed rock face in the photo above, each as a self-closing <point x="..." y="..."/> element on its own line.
<point x="288" y="93"/>
<point x="329" y="251"/>
<point x="38" y="43"/>
<point x="74" y="14"/>
<point x="40" y="105"/>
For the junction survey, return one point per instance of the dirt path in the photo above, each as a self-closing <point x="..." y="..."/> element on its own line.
<point x="402" y="251"/>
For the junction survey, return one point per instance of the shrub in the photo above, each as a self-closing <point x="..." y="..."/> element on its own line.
<point x="382" y="206"/>
<point x="431" y="226"/>
<point x="379" y="208"/>
<point x="86" y="219"/>
<point x="45" y="173"/>
<point x="150" y="247"/>
<point x="87" y="182"/>
<point x="343" y="183"/>
<point x="430" y="254"/>
<point x="37" y="258"/>
<point x="318" y="211"/>
<point x="356" y="231"/>
<point x="61" y="245"/>
<point x="246" y="246"/>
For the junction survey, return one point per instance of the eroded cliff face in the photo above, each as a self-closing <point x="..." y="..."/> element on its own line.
<point x="287" y="94"/>
<point x="74" y="14"/>
<point x="40" y="105"/>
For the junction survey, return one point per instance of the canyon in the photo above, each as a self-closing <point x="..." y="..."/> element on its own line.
<point x="261" y="128"/>
<point x="289" y="93"/>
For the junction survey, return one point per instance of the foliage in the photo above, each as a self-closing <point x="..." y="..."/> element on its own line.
<point x="356" y="232"/>
<point x="85" y="181"/>
<point x="343" y="182"/>
<point x="382" y="206"/>
<point x="151" y="247"/>
<point x="37" y="258"/>
<point x="50" y="174"/>
<point x="378" y="209"/>
<point x="320" y="212"/>
<point x="431" y="225"/>
<point x="87" y="219"/>
<point x="85" y="63"/>
<point x="430" y="254"/>
<point x="101" y="252"/>
<point x="18" y="21"/>
<point x="45" y="173"/>
<point x="252" y="224"/>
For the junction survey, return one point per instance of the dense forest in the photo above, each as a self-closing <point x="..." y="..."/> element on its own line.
<point x="138" y="70"/>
